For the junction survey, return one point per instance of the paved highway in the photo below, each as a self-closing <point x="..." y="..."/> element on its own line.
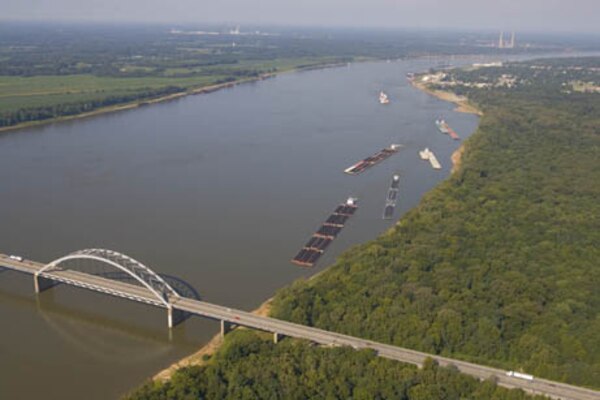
<point x="243" y="318"/>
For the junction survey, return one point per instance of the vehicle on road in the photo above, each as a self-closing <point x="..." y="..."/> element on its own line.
<point x="16" y="258"/>
<point x="520" y="375"/>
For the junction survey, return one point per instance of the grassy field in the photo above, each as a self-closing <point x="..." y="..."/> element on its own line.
<point x="24" y="93"/>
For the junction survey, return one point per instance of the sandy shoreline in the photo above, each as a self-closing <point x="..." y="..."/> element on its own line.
<point x="457" y="158"/>
<point x="201" y="356"/>
<point x="213" y="344"/>
<point x="462" y="103"/>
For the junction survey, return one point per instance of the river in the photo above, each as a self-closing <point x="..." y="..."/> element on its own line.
<point x="220" y="190"/>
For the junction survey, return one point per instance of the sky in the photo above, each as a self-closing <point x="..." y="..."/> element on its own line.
<point x="520" y="15"/>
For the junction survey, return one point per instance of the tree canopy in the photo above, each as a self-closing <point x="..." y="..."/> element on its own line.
<point x="251" y="367"/>
<point x="500" y="263"/>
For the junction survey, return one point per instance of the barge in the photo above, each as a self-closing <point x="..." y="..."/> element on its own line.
<point x="392" y="197"/>
<point x="445" y="129"/>
<point x="428" y="155"/>
<point x="383" y="98"/>
<point x="373" y="160"/>
<point x="322" y="238"/>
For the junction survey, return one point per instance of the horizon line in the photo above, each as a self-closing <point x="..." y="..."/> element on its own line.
<point x="388" y="28"/>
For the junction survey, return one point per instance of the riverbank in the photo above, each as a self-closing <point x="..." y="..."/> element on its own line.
<point x="456" y="158"/>
<point x="463" y="104"/>
<point x="161" y="99"/>
<point x="442" y="278"/>
<point x="126" y="106"/>
<point x="455" y="255"/>
<point x="203" y="355"/>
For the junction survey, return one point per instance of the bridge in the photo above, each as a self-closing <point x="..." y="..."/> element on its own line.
<point x="129" y="279"/>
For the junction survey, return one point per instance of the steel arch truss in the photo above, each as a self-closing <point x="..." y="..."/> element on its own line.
<point x="164" y="293"/>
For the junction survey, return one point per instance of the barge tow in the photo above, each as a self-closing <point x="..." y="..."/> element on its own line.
<point x="322" y="238"/>
<point x="373" y="160"/>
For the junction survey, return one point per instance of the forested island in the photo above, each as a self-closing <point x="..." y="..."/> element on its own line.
<point x="497" y="265"/>
<point x="52" y="71"/>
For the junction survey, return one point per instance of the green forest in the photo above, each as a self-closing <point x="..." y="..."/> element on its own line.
<point x="497" y="265"/>
<point x="251" y="367"/>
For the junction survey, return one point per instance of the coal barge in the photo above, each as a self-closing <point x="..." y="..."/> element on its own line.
<point x="392" y="197"/>
<point x="320" y="240"/>
<point x="375" y="159"/>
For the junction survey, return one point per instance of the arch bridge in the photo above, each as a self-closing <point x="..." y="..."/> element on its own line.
<point x="113" y="273"/>
<point x="119" y="275"/>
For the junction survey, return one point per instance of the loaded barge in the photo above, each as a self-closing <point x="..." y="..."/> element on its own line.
<point x="373" y="160"/>
<point x="392" y="197"/>
<point x="428" y="155"/>
<point x="315" y="247"/>
<point x="445" y="129"/>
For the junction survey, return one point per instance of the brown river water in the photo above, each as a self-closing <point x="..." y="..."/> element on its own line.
<point x="220" y="190"/>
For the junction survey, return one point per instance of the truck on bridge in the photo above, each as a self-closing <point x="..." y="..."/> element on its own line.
<point x="520" y="375"/>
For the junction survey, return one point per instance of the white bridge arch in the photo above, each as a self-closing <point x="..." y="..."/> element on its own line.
<point x="161" y="291"/>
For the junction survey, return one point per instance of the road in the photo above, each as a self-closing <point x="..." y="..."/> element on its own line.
<point x="243" y="318"/>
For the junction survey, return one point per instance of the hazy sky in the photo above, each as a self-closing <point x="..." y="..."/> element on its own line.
<point x="539" y="15"/>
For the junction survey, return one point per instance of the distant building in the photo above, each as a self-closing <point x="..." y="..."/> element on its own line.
<point x="503" y="44"/>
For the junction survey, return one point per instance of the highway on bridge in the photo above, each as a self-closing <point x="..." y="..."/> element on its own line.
<point x="283" y="328"/>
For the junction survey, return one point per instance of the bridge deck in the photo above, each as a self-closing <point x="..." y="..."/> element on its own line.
<point x="243" y="318"/>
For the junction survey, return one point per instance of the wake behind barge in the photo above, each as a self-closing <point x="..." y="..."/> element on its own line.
<point x="320" y="240"/>
<point x="375" y="159"/>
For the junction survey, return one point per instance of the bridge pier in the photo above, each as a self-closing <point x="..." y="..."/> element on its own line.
<point x="40" y="283"/>
<point x="277" y="337"/>
<point x="225" y="328"/>
<point x="175" y="317"/>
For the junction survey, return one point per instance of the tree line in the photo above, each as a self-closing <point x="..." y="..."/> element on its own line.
<point x="29" y="114"/>
<point x="251" y="367"/>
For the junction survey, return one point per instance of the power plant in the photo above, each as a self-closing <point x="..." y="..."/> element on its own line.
<point x="503" y="44"/>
